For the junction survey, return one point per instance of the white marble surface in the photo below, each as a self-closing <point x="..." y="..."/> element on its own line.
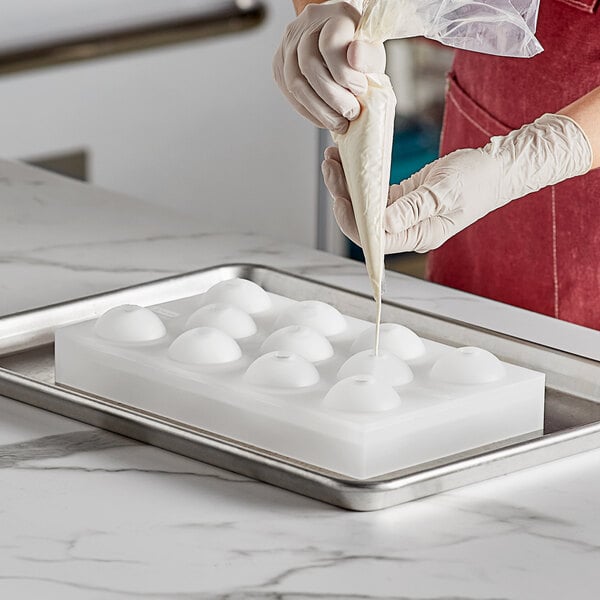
<point x="87" y="514"/>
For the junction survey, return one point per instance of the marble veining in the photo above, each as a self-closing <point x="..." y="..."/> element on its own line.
<point x="52" y="446"/>
<point x="88" y="514"/>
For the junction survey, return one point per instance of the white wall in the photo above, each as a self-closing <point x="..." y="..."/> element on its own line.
<point x="199" y="127"/>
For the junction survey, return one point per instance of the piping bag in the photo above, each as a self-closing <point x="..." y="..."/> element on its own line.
<point x="366" y="151"/>
<point x="501" y="27"/>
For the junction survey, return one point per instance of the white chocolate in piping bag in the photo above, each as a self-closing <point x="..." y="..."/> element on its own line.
<point x="366" y="154"/>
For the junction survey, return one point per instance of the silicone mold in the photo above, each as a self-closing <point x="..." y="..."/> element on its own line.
<point x="316" y="315"/>
<point x="362" y="394"/>
<point x="242" y="293"/>
<point x="230" y="319"/>
<point x="394" y="338"/>
<point x="300" y="340"/>
<point x="130" y="324"/>
<point x="204" y="346"/>
<point x="468" y="366"/>
<point x="278" y="389"/>
<point x="281" y="370"/>
<point x="385" y="367"/>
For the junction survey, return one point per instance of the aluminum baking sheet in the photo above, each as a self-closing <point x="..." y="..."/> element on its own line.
<point x="572" y="419"/>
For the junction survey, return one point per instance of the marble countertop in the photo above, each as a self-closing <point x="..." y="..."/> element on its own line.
<point x="88" y="514"/>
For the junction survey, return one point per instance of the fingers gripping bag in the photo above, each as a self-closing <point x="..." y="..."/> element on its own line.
<point x="502" y="27"/>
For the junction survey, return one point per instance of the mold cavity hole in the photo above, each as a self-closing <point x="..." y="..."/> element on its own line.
<point x="469" y="351"/>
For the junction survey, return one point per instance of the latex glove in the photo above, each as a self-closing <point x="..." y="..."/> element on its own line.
<point x="456" y="190"/>
<point x="316" y="64"/>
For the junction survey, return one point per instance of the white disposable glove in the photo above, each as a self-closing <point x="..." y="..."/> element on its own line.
<point x="456" y="190"/>
<point x="316" y="64"/>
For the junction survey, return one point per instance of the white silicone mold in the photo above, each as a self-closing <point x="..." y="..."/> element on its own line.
<point x="394" y="338"/>
<point x="278" y="389"/>
<point x="242" y="293"/>
<point x="130" y="324"/>
<point x="361" y="394"/>
<point x="468" y="366"/>
<point x="385" y="367"/>
<point x="317" y="315"/>
<point x="205" y="346"/>
<point x="300" y="340"/>
<point x="281" y="370"/>
<point x="230" y="319"/>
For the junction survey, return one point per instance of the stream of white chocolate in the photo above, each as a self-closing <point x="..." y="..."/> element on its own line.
<point x="366" y="152"/>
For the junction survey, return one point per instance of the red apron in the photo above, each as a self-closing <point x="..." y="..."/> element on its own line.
<point x="541" y="252"/>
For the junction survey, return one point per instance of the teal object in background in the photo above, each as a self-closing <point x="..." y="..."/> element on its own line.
<point x="415" y="145"/>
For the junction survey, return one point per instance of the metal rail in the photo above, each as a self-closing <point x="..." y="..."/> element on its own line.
<point x="229" y="19"/>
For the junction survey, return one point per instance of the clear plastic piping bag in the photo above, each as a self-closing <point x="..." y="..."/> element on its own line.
<point x="499" y="27"/>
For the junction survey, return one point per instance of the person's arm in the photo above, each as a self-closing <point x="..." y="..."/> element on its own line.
<point x="456" y="190"/>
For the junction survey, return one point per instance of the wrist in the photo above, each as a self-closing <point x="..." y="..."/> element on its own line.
<point x="585" y="111"/>
<point x="580" y="137"/>
<point x="551" y="149"/>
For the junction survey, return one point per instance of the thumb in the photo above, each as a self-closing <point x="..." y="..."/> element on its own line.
<point x="344" y="215"/>
<point x="366" y="57"/>
<point x="335" y="180"/>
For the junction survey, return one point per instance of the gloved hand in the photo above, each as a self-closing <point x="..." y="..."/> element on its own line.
<point x="456" y="190"/>
<point x="320" y="69"/>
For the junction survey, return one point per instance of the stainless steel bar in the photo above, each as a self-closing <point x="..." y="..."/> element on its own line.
<point x="231" y="18"/>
